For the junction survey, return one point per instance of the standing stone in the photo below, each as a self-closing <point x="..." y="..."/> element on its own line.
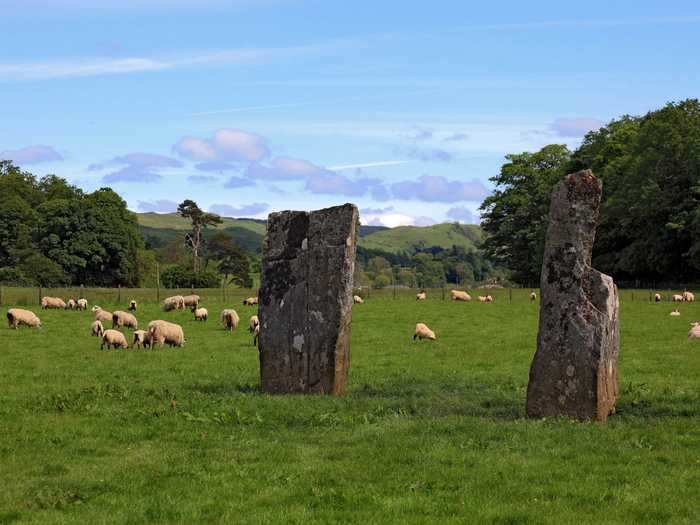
<point x="306" y="300"/>
<point x="574" y="372"/>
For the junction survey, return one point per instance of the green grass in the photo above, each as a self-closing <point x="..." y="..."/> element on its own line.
<point x="404" y="238"/>
<point x="428" y="432"/>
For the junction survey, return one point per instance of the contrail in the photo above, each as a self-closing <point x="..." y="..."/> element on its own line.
<point x="368" y="165"/>
<point x="250" y="108"/>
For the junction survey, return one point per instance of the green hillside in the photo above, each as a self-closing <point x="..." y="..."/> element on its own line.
<point x="404" y="238"/>
<point x="172" y="221"/>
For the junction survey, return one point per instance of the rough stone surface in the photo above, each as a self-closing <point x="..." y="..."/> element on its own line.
<point x="574" y="371"/>
<point x="306" y="300"/>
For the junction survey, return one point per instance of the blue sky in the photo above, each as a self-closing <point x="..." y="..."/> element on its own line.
<point x="251" y="106"/>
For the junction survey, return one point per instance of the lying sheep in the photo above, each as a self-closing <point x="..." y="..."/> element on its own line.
<point x="52" y="302"/>
<point x="657" y="297"/>
<point x="675" y="313"/>
<point x="423" y="332"/>
<point x="191" y="300"/>
<point x="162" y="332"/>
<point x="82" y="304"/>
<point x="132" y="306"/>
<point x="229" y="318"/>
<point x="694" y="331"/>
<point x="688" y="297"/>
<point x="71" y="304"/>
<point x="19" y="316"/>
<point x="200" y="314"/>
<point x="421" y="296"/>
<point x="176" y="302"/>
<point x="124" y="319"/>
<point x="142" y="339"/>
<point x="458" y="295"/>
<point x="113" y="339"/>
<point x="357" y="299"/>
<point x="677" y="298"/>
<point x="250" y="301"/>
<point x="533" y="297"/>
<point x="102" y="315"/>
<point x="253" y="323"/>
<point x="96" y="329"/>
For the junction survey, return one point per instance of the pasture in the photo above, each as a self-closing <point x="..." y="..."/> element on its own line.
<point x="428" y="432"/>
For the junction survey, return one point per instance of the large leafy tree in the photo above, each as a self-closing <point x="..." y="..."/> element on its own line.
<point x="200" y="220"/>
<point x="233" y="263"/>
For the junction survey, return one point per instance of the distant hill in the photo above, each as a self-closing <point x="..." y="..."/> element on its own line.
<point x="159" y="229"/>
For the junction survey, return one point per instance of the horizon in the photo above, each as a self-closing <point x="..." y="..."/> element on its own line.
<point x="406" y="112"/>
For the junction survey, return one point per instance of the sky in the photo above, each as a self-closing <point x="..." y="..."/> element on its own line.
<point x="405" y="108"/>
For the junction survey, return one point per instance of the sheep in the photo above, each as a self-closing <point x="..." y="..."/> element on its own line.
<point x="102" y="315"/>
<point x="142" y="339"/>
<point x="113" y="339"/>
<point x="200" y="314"/>
<point x="458" y="295"/>
<point x="675" y="313"/>
<point x="688" y="297"/>
<point x="96" y="329"/>
<point x="657" y="297"/>
<point x="357" y="299"/>
<point x="52" y="302"/>
<point x="18" y="316"/>
<point x="162" y="332"/>
<point x="533" y="297"/>
<point x="229" y="318"/>
<point x="677" y="298"/>
<point x="256" y="335"/>
<point x="71" y="304"/>
<point x="176" y="302"/>
<point x="489" y="298"/>
<point x="421" y="296"/>
<point x="250" y="301"/>
<point x="132" y="306"/>
<point x="124" y="319"/>
<point x="82" y="304"/>
<point x="482" y="298"/>
<point x="423" y="332"/>
<point x="191" y="300"/>
<point x="253" y="323"/>
<point x="694" y="331"/>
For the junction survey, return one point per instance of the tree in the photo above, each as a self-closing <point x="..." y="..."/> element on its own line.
<point x="200" y="220"/>
<point x="232" y="261"/>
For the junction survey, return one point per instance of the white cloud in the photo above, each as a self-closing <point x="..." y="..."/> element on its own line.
<point x="31" y="155"/>
<point x="575" y="127"/>
<point x="231" y="145"/>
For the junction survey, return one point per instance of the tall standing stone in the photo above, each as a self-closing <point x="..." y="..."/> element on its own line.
<point x="574" y="371"/>
<point x="306" y="301"/>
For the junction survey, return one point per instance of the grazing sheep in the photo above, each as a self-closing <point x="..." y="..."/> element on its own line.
<point x="256" y="335"/>
<point x="458" y="295"/>
<point x="533" y="297"/>
<point x="229" y="318"/>
<point x="657" y="297"/>
<point x="421" y="296"/>
<point x="191" y="300"/>
<point x="200" y="314"/>
<point x="489" y="298"/>
<point x="176" y="302"/>
<point x="82" y="304"/>
<point x="677" y="298"/>
<point x="71" y="304"/>
<point x="253" y="323"/>
<point x="124" y="319"/>
<point x="96" y="329"/>
<point x="18" y="316"/>
<point x="675" y="313"/>
<point x="52" y="302"/>
<point x="113" y="339"/>
<point x="688" y="297"/>
<point x="102" y="315"/>
<point x="142" y="339"/>
<point x="357" y="299"/>
<point x="423" y="332"/>
<point x="132" y="306"/>
<point x="482" y="298"/>
<point x="162" y="332"/>
<point x="694" y="331"/>
<point x="250" y="301"/>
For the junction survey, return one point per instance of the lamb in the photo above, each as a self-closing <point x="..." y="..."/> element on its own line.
<point x="52" y="302"/>
<point x="191" y="300"/>
<point x="96" y="329"/>
<point x="142" y="339"/>
<point x="677" y="298"/>
<point x="657" y="297"/>
<point x="423" y="332"/>
<point x="102" y="315"/>
<point x="124" y="319"/>
<point x="200" y="314"/>
<point x="176" y="302"/>
<point x="533" y="297"/>
<point x="18" y="316"/>
<point x="688" y="297"/>
<point x="229" y="318"/>
<point x="162" y="332"/>
<point x="694" y="331"/>
<point x="250" y="301"/>
<point x="113" y="339"/>
<point x="421" y="296"/>
<point x="71" y="304"/>
<point x="675" y="313"/>
<point x="132" y="306"/>
<point x="253" y="323"/>
<point x="458" y="295"/>
<point x="82" y="304"/>
<point x="357" y="299"/>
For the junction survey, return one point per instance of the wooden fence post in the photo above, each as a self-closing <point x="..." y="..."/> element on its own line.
<point x="119" y="294"/>
<point x="510" y="294"/>
<point x="2" y="295"/>
<point x="157" y="282"/>
<point x="41" y="296"/>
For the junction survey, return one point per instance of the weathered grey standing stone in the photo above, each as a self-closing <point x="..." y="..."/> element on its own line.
<point x="574" y="372"/>
<point x="306" y="301"/>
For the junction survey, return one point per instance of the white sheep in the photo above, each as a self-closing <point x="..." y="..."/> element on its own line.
<point x="421" y="296"/>
<point x="533" y="297"/>
<point x="176" y="302"/>
<point x="256" y="335"/>
<point x="677" y="298"/>
<point x="357" y="299"/>
<point x="96" y="329"/>
<point x="482" y="299"/>
<point x="132" y="306"/>
<point x="71" y="304"/>
<point x="423" y="332"/>
<point x="694" y="331"/>
<point x="250" y="301"/>
<point x="200" y="314"/>
<point x="19" y="316"/>
<point x="229" y="318"/>
<point x="82" y="304"/>
<point x="253" y="323"/>
<point x="124" y="319"/>
<point x="458" y="295"/>
<point x="191" y="300"/>
<point x="657" y="297"/>
<point x="688" y="297"/>
<point x="163" y="332"/>
<point x="675" y="313"/>
<point x="142" y="339"/>
<point x="113" y="339"/>
<point x="102" y="315"/>
<point x="52" y="302"/>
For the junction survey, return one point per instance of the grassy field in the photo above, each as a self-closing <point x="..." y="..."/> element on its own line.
<point x="428" y="432"/>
